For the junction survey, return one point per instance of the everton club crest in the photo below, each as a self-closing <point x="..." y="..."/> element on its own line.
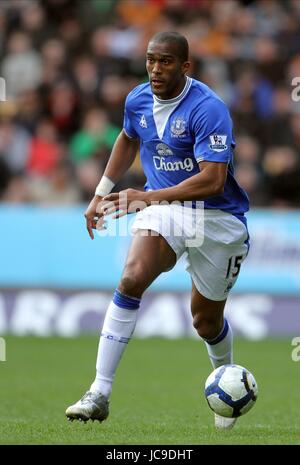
<point x="178" y="127"/>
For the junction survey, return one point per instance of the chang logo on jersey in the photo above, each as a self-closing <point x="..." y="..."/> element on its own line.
<point x="218" y="142"/>
<point x="178" y="127"/>
<point x="163" y="164"/>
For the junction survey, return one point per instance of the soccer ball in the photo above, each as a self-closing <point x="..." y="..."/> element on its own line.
<point x="231" y="390"/>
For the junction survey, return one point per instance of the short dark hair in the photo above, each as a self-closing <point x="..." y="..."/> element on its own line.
<point x="176" y="38"/>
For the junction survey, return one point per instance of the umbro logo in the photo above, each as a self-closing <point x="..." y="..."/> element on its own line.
<point x="143" y="122"/>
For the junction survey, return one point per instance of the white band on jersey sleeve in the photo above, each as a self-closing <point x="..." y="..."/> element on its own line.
<point x="104" y="187"/>
<point x="127" y="135"/>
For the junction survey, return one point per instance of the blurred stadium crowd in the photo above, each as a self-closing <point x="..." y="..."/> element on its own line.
<point x="68" y="65"/>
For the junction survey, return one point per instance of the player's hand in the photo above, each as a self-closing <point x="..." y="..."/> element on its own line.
<point x="123" y="202"/>
<point x="94" y="216"/>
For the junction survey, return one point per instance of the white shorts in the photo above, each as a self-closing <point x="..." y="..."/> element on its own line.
<point x="214" y="243"/>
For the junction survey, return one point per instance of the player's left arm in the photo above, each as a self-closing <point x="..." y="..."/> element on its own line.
<point x="209" y="182"/>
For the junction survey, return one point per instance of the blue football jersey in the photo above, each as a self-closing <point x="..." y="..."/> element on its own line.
<point x="176" y="134"/>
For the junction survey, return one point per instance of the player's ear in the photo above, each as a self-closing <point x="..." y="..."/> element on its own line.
<point x="185" y="66"/>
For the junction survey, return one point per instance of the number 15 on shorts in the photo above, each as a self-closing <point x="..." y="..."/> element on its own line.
<point x="234" y="266"/>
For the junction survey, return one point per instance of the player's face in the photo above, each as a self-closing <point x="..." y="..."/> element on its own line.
<point x="165" y="69"/>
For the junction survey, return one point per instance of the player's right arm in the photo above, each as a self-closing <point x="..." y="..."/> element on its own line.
<point x="121" y="158"/>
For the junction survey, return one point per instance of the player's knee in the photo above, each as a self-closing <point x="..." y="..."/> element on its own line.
<point x="206" y="327"/>
<point x="132" y="282"/>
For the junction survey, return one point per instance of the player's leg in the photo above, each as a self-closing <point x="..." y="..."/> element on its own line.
<point x="149" y="256"/>
<point x="214" y="266"/>
<point x="212" y="327"/>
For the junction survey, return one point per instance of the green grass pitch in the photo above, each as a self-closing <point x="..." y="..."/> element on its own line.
<point x="157" y="397"/>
